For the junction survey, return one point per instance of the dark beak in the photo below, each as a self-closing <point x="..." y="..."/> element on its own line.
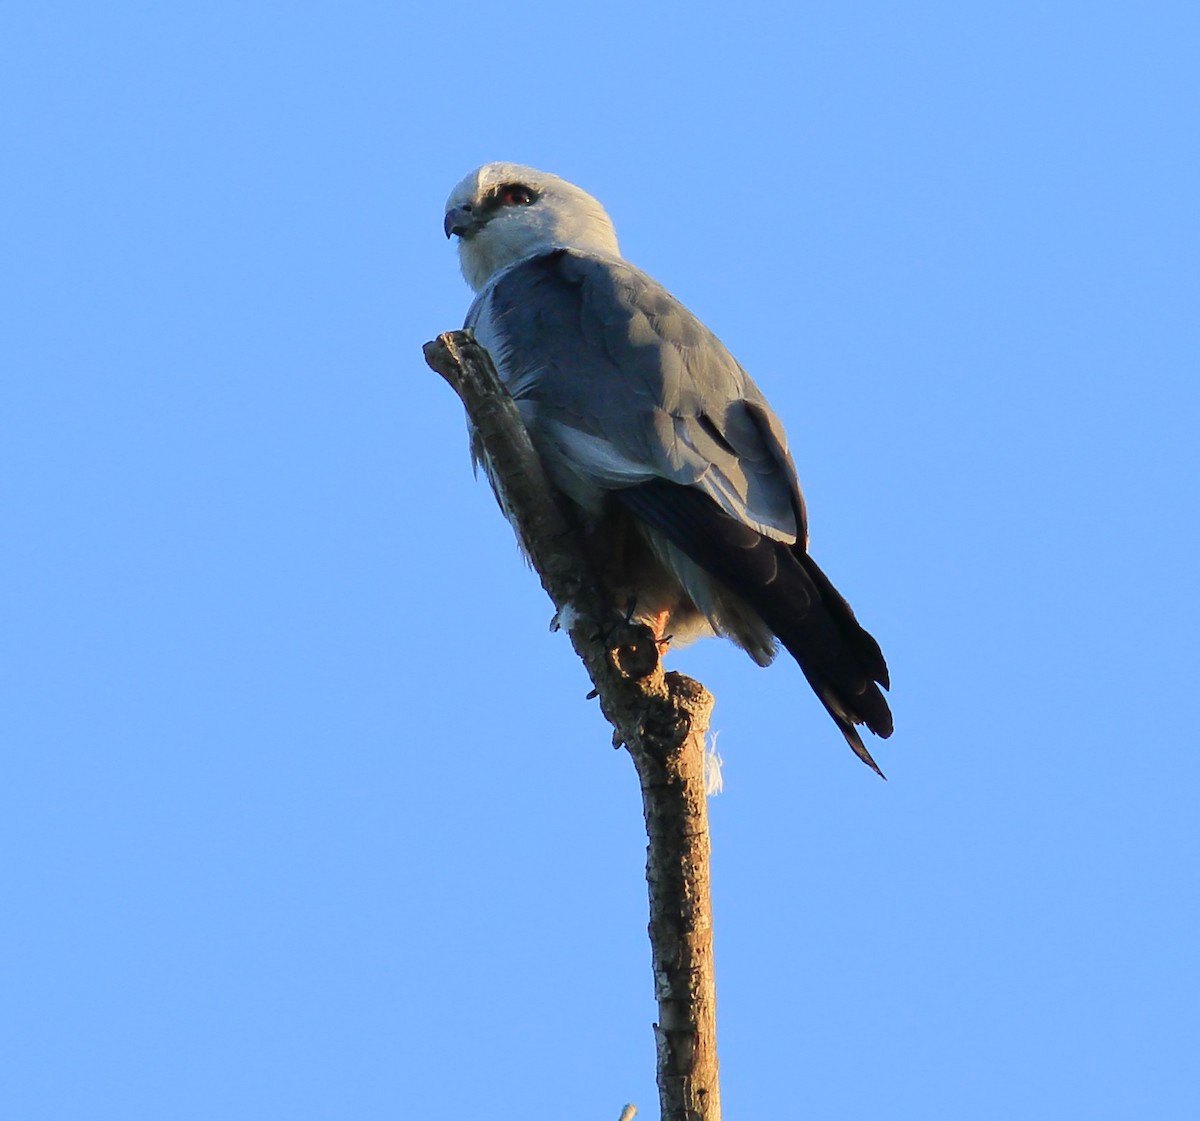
<point x="462" y="221"/>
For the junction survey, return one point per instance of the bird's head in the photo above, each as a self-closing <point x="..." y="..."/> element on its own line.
<point x="503" y="213"/>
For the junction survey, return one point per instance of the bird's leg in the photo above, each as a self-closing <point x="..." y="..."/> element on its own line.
<point x="626" y="641"/>
<point x="658" y="625"/>
<point x="656" y="622"/>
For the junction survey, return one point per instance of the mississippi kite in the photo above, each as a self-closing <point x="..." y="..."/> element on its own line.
<point x="675" y="462"/>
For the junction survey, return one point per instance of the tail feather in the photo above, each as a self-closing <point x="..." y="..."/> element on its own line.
<point x="864" y="645"/>
<point x="846" y="719"/>
<point x="796" y="600"/>
<point x="852" y="737"/>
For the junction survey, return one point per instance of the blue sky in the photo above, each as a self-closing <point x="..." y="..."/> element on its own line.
<point x="305" y="814"/>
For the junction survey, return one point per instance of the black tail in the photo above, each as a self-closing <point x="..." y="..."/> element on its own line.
<point x="841" y="661"/>
<point x="848" y="684"/>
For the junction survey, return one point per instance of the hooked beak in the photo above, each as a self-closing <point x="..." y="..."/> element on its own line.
<point x="461" y="220"/>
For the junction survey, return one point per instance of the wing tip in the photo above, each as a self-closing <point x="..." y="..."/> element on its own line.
<point x="859" y="748"/>
<point x="846" y="724"/>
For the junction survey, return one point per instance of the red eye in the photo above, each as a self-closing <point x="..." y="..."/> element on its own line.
<point x="516" y="195"/>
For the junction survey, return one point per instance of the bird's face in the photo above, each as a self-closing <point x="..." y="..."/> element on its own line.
<point x="503" y="213"/>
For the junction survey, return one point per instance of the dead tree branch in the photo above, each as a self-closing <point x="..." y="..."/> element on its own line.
<point x="661" y="718"/>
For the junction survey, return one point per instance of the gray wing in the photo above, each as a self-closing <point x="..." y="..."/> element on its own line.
<point x="620" y="384"/>
<point x="628" y="397"/>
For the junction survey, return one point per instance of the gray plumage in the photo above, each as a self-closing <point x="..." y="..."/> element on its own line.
<point x="675" y="461"/>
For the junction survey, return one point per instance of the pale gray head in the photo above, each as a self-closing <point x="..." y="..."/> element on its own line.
<point x="503" y="213"/>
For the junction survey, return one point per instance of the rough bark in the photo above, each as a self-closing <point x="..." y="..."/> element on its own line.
<point x="661" y="718"/>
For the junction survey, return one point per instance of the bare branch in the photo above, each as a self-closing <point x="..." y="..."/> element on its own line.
<point x="662" y="719"/>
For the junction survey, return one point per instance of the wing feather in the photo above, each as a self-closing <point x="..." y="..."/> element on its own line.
<point x="620" y="384"/>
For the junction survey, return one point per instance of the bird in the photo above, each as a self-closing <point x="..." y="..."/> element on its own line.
<point x="675" y="465"/>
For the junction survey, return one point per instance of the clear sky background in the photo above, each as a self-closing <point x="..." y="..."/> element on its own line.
<point x="303" y="812"/>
